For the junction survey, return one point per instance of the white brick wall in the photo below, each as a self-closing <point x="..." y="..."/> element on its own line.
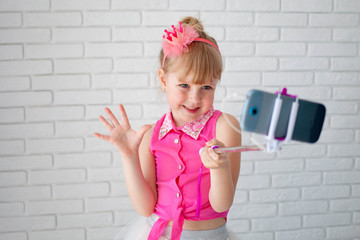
<point x="63" y="61"/>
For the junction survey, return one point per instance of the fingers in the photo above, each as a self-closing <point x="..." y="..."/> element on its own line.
<point x="143" y="130"/>
<point x="106" y="123"/>
<point x="123" y="116"/>
<point x="112" y="118"/>
<point x="102" y="137"/>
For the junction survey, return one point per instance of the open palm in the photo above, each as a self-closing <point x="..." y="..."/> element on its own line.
<point x="122" y="136"/>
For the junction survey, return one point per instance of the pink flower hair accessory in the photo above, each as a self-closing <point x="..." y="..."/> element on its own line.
<point x="176" y="41"/>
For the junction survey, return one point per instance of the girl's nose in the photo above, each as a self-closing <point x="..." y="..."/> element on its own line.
<point x="195" y="96"/>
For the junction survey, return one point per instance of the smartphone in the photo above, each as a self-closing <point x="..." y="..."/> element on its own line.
<point x="258" y="108"/>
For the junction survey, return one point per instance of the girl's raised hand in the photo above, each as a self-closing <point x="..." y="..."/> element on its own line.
<point x="122" y="136"/>
<point x="210" y="158"/>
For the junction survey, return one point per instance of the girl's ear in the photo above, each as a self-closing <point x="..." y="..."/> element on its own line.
<point x="162" y="75"/>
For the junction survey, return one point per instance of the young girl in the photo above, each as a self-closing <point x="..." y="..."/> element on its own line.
<point x="173" y="176"/>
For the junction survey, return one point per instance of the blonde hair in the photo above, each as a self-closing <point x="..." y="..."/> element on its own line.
<point x="202" y="60"/>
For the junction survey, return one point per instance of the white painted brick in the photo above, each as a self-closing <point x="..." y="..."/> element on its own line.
<point x="123" y="217"/>
<point x="82" y="97"/>
<point x="253" y="182"/>
<point x="346" y="6"/>
<point x="9" y="52"/>
<point x="57" y="176"/>
<point x="12" y="115"/>
<point x="314" y="234"/>
<point x="280" y="49"/>
<point x="80" y="4"/>
<point x="306" y="150"/>
<point x="274" y="195"/>
<point x="347" y="205"/>
<point x="106" y="174"/>
<point x="252" y="34"/>
<point x="304" y="64"/>
<point x="95" y="18"/>
<point x="115" y="81"/>
<point x="337" y="78"/>
<point x="24" y="35"/>
<point x="333" y="20"/>
<point x="83" y="66"/>
<point x="53" y="51"/>
<point x="296" y="179"/>
<point x="77" y="129"/>
<point x="95" y="144"/>
<point x="327" y="219"/>
<point x="58" y="234"/>
<point x="325" y="192"/>
<point x="333" y="136"/>
<point x="119" y="189"/>
<point x="136" y="65"/>
<point x="54" y="207"/>
<point x="10" y="19"/>
<point x="238" y="226"/>
<point x="229" y="49"/>
<point x="12" y="178"/>
<point x="108" y="204"/>
<point x="251" y="64"/>
<point x="154" y="111"/>
<point x="54" y="113"/>
<point x="25" y="193"/>
<point x="12" y="147"/>
<point x="287" y="78"/>
<point x="137" y="34"/>
<point x="13" y="236"/>
<point x="254" y="5"/>
<point x="60" y="82"/>
<point x="276" y="166"/>
<point x="332" y="49"/>
<point x="254" y="211"/>
<point x="235" y="79"/>
<point x="52" y="19"/>
<point x="24" y="5"/>
<point x="227" y="18"/>
<point x="13" y="131"/>
<point x="344" y="150"/>
<point x="24" y="67"/>
<point x="83" y="160"/>
<point x="54" y="145"/>
<point x="14" y="83"/>
<point x="81" y="34"/>
<point x="87" y="220"/>
<point x="11" y="209"/>
<point x="341" y="177"/>
<point x="136" y="96"/>
<point x="152" y="49"/>
<point x="87" y="190"/>
<point x="203" y="5"/>
<point x="347" y="35"/>
<point x="305" y="6"/>
<point x="25" y="162"/>
<point x="279" y="223"/>
<point x="113" y="49"/>
<point x="139" y="4"/>
<point x="345" y="122"/>
<point x="26" y="223"/>
<point x="102" y="233"/>
<point x="303" y="207"/>
<point x="329" y="164"/>
<point x="280" y="19"/>
<point x="257" y="235"/>
<point x="132" y="111"/>
<point x="341" y="108"/>
<point x="344" y="232"/>
<point x="352" y="93"/>
<point x="306" y="34"/>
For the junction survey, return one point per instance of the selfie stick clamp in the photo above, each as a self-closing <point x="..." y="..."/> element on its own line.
<point x="273" y="143"/>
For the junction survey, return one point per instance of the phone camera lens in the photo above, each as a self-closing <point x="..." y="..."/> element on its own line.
<point x="253" y="111"/>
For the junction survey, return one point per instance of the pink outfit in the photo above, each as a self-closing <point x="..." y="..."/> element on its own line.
<point x="183" y="183"/>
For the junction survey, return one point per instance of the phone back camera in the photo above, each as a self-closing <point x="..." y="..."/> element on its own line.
<point x="253" y="111"/>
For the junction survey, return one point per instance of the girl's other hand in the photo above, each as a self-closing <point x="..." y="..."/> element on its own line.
<point x="122" y="136"/>
<point x="211" y="159"/>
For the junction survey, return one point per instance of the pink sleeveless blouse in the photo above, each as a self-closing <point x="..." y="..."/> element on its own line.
<point x="183" y="183"/>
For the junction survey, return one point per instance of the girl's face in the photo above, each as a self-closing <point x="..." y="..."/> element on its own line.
<point x="187" y="101"/>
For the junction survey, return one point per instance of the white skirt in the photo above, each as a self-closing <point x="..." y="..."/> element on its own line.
<point x="140" y="228"/>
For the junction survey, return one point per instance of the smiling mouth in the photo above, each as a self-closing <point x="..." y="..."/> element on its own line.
<point x="191" y="110"/>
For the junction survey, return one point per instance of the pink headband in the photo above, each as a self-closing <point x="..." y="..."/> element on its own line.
<point x="176" y="42"/>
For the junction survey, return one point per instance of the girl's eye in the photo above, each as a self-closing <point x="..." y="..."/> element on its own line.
<point x="207" y="87"/>
<point x="184" y="85"/>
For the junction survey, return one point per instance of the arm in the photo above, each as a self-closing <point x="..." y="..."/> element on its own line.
<point x="133" y="146"/>
<point x="225" y="167"/>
